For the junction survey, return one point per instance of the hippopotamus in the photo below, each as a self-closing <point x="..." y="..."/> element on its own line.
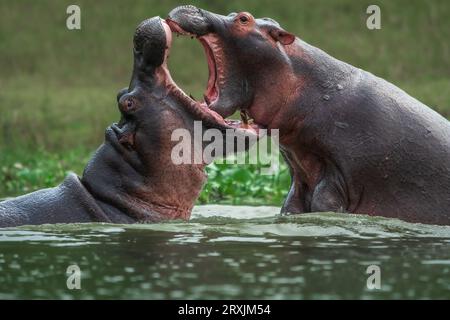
<point x="131" y="178"/>
<point x="354" y="142"/>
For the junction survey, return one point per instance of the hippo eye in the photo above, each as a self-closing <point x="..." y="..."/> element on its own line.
<point x="243" y="19"/>
<point x="129" y="103"/>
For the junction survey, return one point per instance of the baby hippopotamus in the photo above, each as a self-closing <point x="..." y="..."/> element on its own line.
<point x="131" y="177"/>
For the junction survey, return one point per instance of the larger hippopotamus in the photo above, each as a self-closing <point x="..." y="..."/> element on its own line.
<point x="131" y="177"/>
<point x="354" y="142"/>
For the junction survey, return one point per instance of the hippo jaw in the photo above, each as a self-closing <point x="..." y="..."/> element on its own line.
<point x="140" y="144"/>
<point x="228" y="90"/>
<point x="202" y="110"/>
<point x="213" y="54"/>
<point x="131" y="174"/>
<point x="240" y="79"/>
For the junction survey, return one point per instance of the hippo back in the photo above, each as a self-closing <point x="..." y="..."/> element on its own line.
<point x="69" y="202"/>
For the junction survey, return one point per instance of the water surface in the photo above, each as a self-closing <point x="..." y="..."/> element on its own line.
<point x="229" y="252"/>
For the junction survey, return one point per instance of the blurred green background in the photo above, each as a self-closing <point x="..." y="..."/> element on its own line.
<point x="58" y="87"/>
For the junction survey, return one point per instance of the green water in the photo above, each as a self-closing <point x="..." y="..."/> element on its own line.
<point x="229" y="252"/>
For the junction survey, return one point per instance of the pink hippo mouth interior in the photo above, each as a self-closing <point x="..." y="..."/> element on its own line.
<point x="212" y="93"/>
<point x="201" y="109"/>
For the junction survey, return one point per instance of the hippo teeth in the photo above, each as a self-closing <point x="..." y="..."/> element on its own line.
<point x="246" y="120"/>
<point x="244" y="117"/>
<point x="205" y="97"/>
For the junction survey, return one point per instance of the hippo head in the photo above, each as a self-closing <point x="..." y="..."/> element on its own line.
<point x="246" y="58"/>
<point x="133" y="172"/>
<point x="153" y="100"/>
<point x="148" y="113"/>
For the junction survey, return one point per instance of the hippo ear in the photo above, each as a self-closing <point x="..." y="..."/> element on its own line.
<point x="282" y="36"/>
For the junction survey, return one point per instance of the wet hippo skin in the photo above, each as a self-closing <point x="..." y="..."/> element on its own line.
<point x="353" y="141"/>
<point x="121" y="183"/>
<point x="131" y="177"/>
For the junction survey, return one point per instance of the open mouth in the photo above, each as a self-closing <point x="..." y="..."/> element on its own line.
<point x="212" y="93"/>
<point x="201" y="109"/>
